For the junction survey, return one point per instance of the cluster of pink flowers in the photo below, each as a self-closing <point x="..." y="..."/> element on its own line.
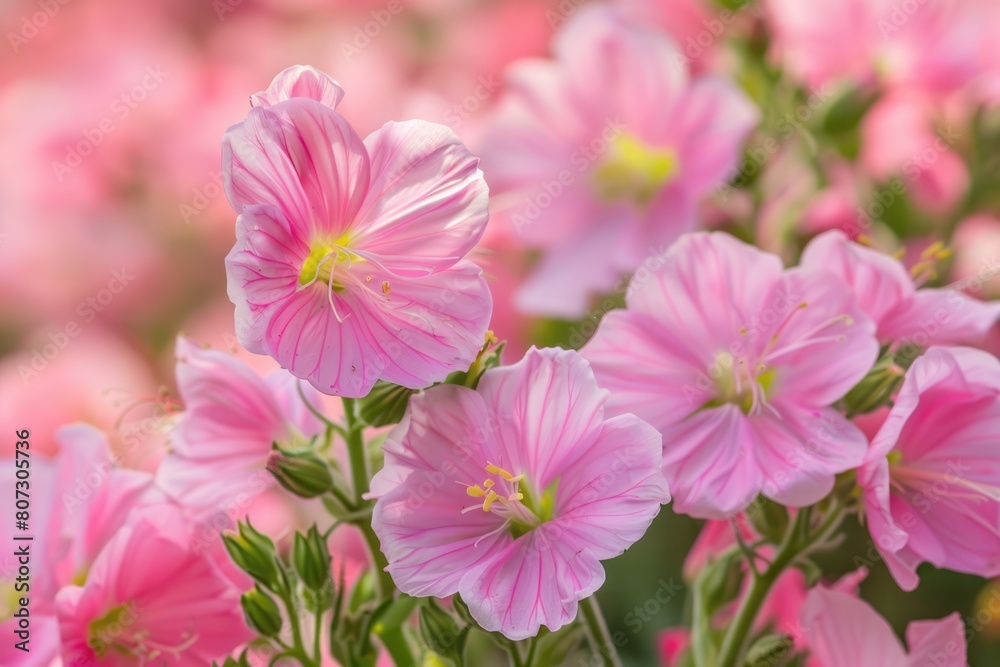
<point x="772" y="379"/>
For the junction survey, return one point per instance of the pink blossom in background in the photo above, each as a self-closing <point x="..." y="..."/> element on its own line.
<point x="931" y="479"/>
<point x="564" y="489"/>
<point x="902" y="148"/>
<point x="740" y="390"/>
<point x="600" y="156"/>
<point x="935" y="48"/>
<point x="888" y="294"/>
<point x="977" y="255"/>
<point x="348" y="263"/>
<point x="844" y="631"/>
<point x="700" y="28"/>
<point x="232" y="417"/>
<point x="94" y="377"/>
<point x="97" y="495"/>
<point x="150" y="598"/>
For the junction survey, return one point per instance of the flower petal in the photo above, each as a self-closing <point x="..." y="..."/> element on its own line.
<point x="708" y="467"/>
<point x="663" y="383"/>
<point x="300" y="81"/>
<point x="426" y="207"/>
<point x="426" y="327"/>
<point x="536" y="580"/>
<point x="844" y="631"/>
<point x="301" y="157"/>
<point x="553" y="410"/>
<point x="440" y="448"/>
<point x="614" y="490"/>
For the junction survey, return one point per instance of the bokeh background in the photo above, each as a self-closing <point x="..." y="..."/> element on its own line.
<point x="114" y="225"/>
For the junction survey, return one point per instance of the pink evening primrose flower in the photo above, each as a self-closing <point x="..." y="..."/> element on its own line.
<point x="931" y="480"/>
<point x="232" y="416"/>
<point x="512" y="494"/>
<point x="889" y="294"/>
<point x="736" y="361"/>
<point x="348" y="265"/>
<point x="600" y="156"/>
<point x="151" y="599"/>
<point x="844" y="631"/>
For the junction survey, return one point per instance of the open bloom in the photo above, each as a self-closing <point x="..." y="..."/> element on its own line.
<point x="931" y="480"/>
<point x="348" y="265"/>
<point x="150" y="599"/>
<point x="889" y="294"/>
<point x="844" y="631"/>
<point x="512" y="494"/>
<point x="601" y="155"/>
<point x="232" y="416"/>
<point x="736" y="361"/>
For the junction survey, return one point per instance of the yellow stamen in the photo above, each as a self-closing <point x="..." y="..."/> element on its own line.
<point x="634" y="170"/>
<point x="475" y="491"/>
<point x="491" y="497"/>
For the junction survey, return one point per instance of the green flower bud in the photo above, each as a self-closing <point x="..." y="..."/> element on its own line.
<point x="876" y="389"/>
<point x="261" y="612"/>
<point x="253" y="552"/>
<point x="311" y="559"/>
<point x="303" y="473"/>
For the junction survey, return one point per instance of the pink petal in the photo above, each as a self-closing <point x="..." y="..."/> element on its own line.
<point x="815" y="336"/>
<point x="708" y="467"/>
<point x="423" y="328"/>
<point x="302" y="158"/>
<point x="442" y="447"/>
<point x="710" y="287"/>
<point x="300" y="81"/>
<point x="942" y="317"/>
<point x="880" y="282"/>
<point x="552" y="408"/>
<point x="568" y="276"/>
<point x="940" y="643"/>
<point x="711" y="122"/>
<point x="426" y="206"/>
<point x="536" y="580"/>
<point x="614" y="489"/>
<point x="800" y="452"/>
<point x="648" y="367"/>
<point x="843" y="631"/>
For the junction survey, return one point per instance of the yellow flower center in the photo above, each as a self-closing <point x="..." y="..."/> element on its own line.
<point x="324" y="258"/>
<point x="508" y="495"/>
<point x="633" y="171"/>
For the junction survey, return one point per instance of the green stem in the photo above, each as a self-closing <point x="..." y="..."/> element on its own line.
<point x="597" y="633"/>
<point x="798" y="541"/>
<point x="359" y="479"/>
<point x="356" y="451"/>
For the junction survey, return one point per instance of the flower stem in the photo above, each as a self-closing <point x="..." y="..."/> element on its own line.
<point x="797" y="541"/>
<point x="597" y="633"/>
<point x="360" y="481"/>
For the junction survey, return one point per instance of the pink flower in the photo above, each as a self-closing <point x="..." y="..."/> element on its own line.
<point x="150" y="599"/>
<point x="97" y="497"/>
<point x="844" y="631"/>
<point x="348" y="265"/>
<point x="736" y="361"/>
<point x="931" y="479"/>
<point x="901" y="145"/>
<point x="603" y="154"/>
<point x="889" y="295"/>
<point x="232" y="416"/>
<point x="513" y="493"/>
<point x="935" y="47"/>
